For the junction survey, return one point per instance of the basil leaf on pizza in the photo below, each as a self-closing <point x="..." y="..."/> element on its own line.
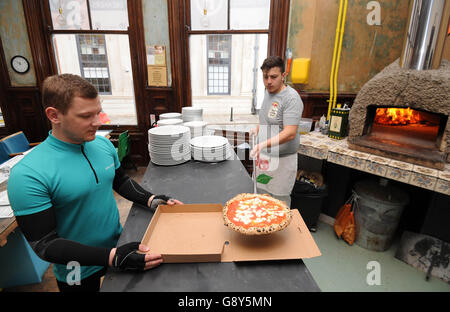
<point x="256" y="214"/>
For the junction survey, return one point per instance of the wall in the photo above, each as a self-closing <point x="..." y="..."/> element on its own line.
<point x="14" y="36"/>
<point x="366" y="49"/>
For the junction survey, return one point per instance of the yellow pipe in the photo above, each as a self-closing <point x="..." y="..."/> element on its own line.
<point x="339" y="54"/>
<point x="330" y="101"/>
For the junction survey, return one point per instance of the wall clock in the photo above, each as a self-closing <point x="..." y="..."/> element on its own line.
<point x="20" y="64"/>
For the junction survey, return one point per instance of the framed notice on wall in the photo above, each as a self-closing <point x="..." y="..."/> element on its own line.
<point x="156" y="65"/>
<point x="157" y="76"/>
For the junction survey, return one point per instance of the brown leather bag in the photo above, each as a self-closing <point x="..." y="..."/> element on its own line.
<point x="344" y="225"/>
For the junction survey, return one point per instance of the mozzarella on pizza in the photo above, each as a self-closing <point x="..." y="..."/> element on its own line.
<point x="255" y="214"/>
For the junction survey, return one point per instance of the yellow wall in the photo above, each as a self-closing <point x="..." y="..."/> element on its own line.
<point x="366" y="49"/>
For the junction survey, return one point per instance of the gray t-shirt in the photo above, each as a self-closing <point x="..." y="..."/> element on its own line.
<point x="284" y="108"/>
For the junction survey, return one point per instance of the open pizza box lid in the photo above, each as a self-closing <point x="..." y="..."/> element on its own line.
<point x="196" y="233"/>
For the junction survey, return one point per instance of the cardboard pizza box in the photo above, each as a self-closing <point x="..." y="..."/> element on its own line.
<point x="196" y="233"/>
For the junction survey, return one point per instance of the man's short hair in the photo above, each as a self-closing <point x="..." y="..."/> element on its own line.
<point x="58" y="91"/>
<point x="273" y="61"/>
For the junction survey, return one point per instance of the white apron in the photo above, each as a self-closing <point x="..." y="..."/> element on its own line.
<point x="276" y="175"/>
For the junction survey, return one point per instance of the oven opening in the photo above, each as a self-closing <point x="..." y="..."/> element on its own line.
<point x="404" y="130"/>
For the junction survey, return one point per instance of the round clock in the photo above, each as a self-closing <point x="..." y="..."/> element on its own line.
<point x="20" y="64"/>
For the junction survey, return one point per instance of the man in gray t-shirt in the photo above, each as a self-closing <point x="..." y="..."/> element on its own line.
<point x="280" y="111"/>
<point x="278" y="137"/>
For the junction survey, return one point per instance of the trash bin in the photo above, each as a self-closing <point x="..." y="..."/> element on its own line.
<point x="377" y="213"/>
<point x="309" y="201"/>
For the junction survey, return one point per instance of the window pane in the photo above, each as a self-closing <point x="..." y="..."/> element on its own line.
<point x="109" y="15"/>
<point x="69" y="14"/>
<point x="109" y="73"/>
<point x="209" y="15"/>
<point x="219" y="48"/>
<point x="249" y="14"/>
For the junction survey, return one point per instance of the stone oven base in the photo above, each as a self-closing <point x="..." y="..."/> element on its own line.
<point x="426" y="158"/>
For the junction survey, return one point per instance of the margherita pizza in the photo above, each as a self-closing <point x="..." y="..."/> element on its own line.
<point x="256" y="214"/>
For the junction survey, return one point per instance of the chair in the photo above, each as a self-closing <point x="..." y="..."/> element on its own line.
<point x="16" y="144"/>
<point x="123" y="149"/>
<point x="4" y="156"/>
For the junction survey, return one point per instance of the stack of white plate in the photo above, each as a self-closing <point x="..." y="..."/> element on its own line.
<point x="198" y="128"/>
<point x="210" y="148"/>
<point x="192" y="114"/>
<point x="169" y="122"/>
<point x="169" y="145"/>
<point x="170" y="116"/>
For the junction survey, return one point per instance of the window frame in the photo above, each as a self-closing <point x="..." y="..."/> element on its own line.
<point x="134" y="33"/>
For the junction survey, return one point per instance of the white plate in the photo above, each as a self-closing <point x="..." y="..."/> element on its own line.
<point x="212" y="159"/>
<point x="169" y="122"/>
<point x="191" y="110"/>
<point x="171" y="139"/>
<point x="196" y="124"/>
<point x="208" y="141"/>
<point x="217" y="152"/>
<point x="169" y="131"/>
<point x="170" y="162"/>
<point x="192" y="114"/>
<point x="170" y="151"/>
<point x="169" y="115"/>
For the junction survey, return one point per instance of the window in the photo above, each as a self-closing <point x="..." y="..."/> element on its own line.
<point x="219" y="61"/>
<point x="90" y="38"/>
<point x="89" y="14"/>
<point x="94" y="61"/>
<point x="230" y="14"/>
<point x="228" y="41"/>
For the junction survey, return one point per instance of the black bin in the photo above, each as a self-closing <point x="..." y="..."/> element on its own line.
<point x="309" y="201"/>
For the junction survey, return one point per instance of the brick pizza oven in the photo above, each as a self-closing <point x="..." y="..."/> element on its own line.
<point x="403" y="112"/>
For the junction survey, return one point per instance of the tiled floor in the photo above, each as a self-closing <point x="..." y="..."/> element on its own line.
<point x="48" y="283"/>
<point x="346" y="268"/>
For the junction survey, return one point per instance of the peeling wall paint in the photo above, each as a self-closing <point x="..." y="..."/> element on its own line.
<point x="14" y="36"/>
<point x="366" y="49"/>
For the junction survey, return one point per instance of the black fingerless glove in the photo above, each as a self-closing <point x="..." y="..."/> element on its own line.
<point x="127" y="258"/>
<point x="158" y="200"/>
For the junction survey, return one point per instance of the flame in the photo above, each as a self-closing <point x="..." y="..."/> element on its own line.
<point x="396" y="116"/>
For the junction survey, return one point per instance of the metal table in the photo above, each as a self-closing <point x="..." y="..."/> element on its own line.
<point x="198" y="182"/>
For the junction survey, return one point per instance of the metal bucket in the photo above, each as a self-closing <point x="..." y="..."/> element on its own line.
<point x="377" y="213"/>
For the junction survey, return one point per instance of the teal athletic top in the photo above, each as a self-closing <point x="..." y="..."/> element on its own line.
<point x="76" y="179"/>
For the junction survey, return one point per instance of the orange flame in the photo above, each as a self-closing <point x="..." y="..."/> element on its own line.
<point x="396" y="116"/>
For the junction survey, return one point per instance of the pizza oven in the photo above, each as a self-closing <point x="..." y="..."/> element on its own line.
<point x="402" y="112"/>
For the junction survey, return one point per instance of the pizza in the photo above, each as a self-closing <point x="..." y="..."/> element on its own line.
<point x="256" y="214"/>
